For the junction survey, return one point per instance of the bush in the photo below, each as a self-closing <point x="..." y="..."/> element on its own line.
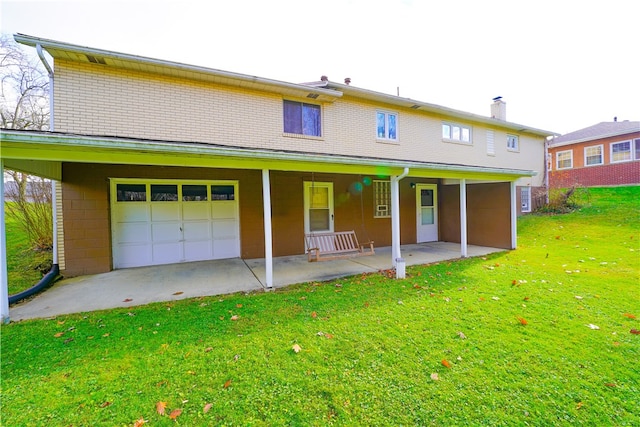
<point x="565" y="200"/>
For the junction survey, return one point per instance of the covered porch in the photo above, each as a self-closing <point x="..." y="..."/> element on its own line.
<point x="136" y="286"/>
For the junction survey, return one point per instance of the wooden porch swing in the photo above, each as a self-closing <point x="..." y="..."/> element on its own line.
<point x="326" y="246"/>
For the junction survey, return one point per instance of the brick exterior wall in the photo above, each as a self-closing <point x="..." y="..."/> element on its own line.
<point x="606" y="174"/>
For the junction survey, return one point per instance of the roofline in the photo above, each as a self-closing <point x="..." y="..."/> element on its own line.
<point x="593" y="138"/>
<point x="193" y="148"/>
<point x="329" y="89"/>
<point x="433" y="108"/>
<point x="53" y="44"/>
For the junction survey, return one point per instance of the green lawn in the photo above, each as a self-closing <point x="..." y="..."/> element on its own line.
<point x="537" y="336"/>
<point x="21" y="258"/>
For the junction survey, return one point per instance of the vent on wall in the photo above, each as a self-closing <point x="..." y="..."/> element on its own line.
<point x="95" y="60"/>
<point x="313" y="95"/>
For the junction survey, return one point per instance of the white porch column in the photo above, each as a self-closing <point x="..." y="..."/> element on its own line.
<point x="4" y="280"/>
<point x="463" y="218"/>
<point x="395" y="216"/>
<point x="268" y="240"/>
<point x="514" y="216"/>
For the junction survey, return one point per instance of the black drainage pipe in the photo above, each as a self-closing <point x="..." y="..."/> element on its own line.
<point x="48" y="279"/>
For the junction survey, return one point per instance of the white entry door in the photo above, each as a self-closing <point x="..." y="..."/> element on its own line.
<point x="162" y="222"/>
<point x="318" y="207"/>
<point x="427" y="212"/>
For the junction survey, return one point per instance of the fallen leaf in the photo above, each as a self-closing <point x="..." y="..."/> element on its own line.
<point x="578" y="297"/>
<point x="435" y="377"/>
<point x="235" y="317"/>
<point x="238" y="305"/>
<point x="105" y="404"/>
<point x="160" y="407"/>
<point x="526" y="298"/>
<point x="462" y="336"/>
<point x="106" y="335"/>
<point x="208" y="349"/>
<point x="592" y="326"/>
<point x="207" y="408"/>
<point x="635" y="331"/>
<point x="314" y="314"/>
<point x="579" y="405"/>
<point x="61" y="322"/>
<point x="446" y="363"/>
<point x="629" y="315"/>
<point x="495" y="298"/>
<point x="59" y="334"/>
<point x="175" y="413"/>
<point x="329" y="336"/>
<point x="68" y="340"/>
<point x="296" y="348"/>
<point x="139" y="422"/>
<point x="178" y="293"/>
<point x="611" y="385"/>
<point x="128" y="300"/>
<point x="236" y="357"/>
<point x="522" y="321"/>
<point x="227" y="384"/>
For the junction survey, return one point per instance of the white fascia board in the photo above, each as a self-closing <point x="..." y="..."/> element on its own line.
<point x="595" y="139"/>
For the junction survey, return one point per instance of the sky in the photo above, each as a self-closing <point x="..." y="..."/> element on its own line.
<point x="560" y="65"/>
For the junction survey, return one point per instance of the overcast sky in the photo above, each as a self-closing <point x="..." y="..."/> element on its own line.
<point x="560" y="65"/>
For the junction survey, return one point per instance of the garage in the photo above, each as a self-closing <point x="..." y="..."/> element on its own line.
<point x="166" y="221"/>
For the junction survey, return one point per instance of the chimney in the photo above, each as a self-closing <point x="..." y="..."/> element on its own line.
<point x="347" y="81"/>
<point x="499" y="109"/>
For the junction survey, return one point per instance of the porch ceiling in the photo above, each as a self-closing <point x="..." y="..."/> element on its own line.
<point x="45" y="149"/>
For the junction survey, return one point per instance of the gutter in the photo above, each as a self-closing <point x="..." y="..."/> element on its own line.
<point x="203" y="149"/>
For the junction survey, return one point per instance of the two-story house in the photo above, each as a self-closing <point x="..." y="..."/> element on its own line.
<point x="607" y="153"/>
<point x="160" y="162"/>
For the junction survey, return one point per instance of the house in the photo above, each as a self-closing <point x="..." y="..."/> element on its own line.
<point x="160" y="162"/>
<point x="607" y="153"/>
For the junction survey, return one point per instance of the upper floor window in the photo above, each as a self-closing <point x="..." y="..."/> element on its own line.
<point x="512" y="143"/>
<point x="387" y="126"/>
<point x="564" y="159"/>
<point x="302" y="119"/>
<point x="593" y="155"/>
<point x="456" y="132"/>
<point x="621" y="151"/>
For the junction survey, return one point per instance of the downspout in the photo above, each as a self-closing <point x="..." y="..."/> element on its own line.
<point x="395" y="216"/>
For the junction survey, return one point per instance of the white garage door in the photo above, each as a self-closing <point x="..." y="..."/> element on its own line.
<point x="163" y="222"/>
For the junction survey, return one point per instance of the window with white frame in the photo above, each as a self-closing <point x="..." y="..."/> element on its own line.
<point x="525" y="199"/>
<point x="387" y="125"/>
<point x="382" y="199"/>
<point x="637" y="143"/>
<point x="302" y="119"/>
<point x="593" y="155"/>
<point x="456" y="132"/>
<point x="513" y="143"/>
<point x="621" y="151"/>
<point x="564" y="159"/>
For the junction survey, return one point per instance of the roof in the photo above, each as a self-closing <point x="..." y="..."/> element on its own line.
<point x="599" y="131"/>
<point x="321" y="91"/>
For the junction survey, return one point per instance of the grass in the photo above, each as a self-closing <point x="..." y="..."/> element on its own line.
<point x="22" y="260"/>
<point x="372" y="350"/>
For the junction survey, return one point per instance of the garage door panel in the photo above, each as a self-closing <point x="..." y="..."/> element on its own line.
<point x="222" y="210"/>
<point x="195" y="211"/>
<point x="167" y="253"/>
<point x="194" y="231"/>
<point x="132" y="212"/>
<point x="224" y="229"/>
<point x="198" y="251"/>
<point x="226" y="248"/>
<point x="136" y="232"/>
<point x="166" y="232"/>
<point x="165" y="211"/>
<point x="133" y="255"/>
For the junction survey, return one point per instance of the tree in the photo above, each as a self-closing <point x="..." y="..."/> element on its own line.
<point x="24" y="104"/>
<point x="24" y="96"/>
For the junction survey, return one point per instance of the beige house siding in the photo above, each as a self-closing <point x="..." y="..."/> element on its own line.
<point x="100" y="100"/>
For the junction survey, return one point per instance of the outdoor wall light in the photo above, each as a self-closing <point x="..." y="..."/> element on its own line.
<point x="413" y="185"/>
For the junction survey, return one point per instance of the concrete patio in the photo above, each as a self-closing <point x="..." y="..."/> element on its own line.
<point x="143" y="285"/>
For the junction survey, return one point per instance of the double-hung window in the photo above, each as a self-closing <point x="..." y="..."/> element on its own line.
<point x="513" y="143"/>
<point x="456" y="132"/>
<point x="593" y="155"/>
<point x="564" y="159"/>
<point x="525" y="199"/>
<point x="302" y="119"/>
<point x="621" y="151"/>
<point x="387" y="126"/>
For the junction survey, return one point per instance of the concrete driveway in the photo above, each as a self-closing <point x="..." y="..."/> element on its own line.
<point x="137" y="286"/>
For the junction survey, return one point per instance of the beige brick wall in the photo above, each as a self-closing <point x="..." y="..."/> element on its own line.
<point x="100" y="100"/>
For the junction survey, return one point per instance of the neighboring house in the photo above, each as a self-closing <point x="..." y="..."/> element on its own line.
<point x="159" y="162"/>
<point x="604" y="154"/>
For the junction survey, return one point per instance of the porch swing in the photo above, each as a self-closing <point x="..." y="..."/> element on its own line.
<point x="327" y="246"/>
